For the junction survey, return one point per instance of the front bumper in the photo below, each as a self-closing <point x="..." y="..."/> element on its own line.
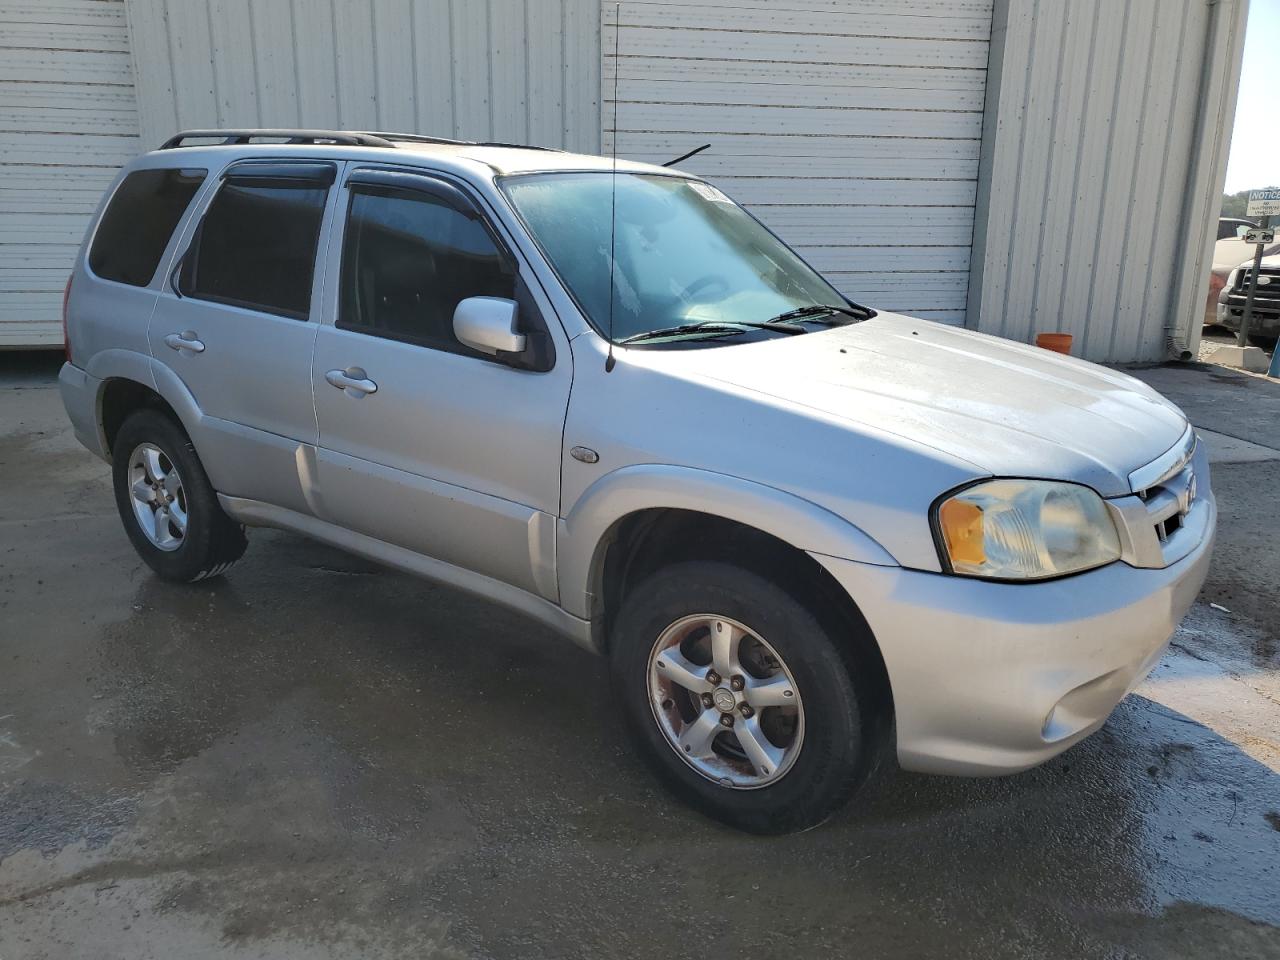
<point x="994" y="678"/>
<point x="1265" y="321"/>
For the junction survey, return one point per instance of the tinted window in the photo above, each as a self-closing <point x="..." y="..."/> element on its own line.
<point x="136" y="226"/>
<point x="257" y="247"/>
<point x="408" y="260"/>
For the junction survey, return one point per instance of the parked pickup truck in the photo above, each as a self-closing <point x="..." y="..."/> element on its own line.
<point x="1229" y="252"/>
<point x="1264" y="322"/>
<point x="805" y="533"/>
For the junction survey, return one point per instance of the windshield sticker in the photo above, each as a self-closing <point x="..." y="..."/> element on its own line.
<point x="708" y="192"/>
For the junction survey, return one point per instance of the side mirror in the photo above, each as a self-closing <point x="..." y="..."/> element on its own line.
<point x="488" y="324"/>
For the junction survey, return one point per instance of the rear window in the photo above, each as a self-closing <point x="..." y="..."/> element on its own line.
<point x="257" y="247"/>
<point x="138" y="222"/>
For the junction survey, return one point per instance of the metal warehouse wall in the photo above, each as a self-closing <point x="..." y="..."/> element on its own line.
<point x="1015" y="165"/>
<point x="522" y="70"/>
<point x="851" y="127"/>
<point x="1103" y="161"/>
<point x="68" y="120"/>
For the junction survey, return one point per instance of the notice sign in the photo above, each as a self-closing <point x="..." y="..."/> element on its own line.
<point x="1263" y="203"/>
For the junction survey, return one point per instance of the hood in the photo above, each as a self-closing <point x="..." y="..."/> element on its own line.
<point x="1006" y="408"/>
<point x="1234" y="252"/>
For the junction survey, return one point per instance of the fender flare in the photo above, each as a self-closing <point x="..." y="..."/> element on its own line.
<point x="582" y="535"/>
<point x="119" y="364"/>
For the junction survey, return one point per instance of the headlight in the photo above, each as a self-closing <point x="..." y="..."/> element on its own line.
<point x="1025" y="530"/>
<point x="1233" y="278"/>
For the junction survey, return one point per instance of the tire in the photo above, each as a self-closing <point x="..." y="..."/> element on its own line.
<point x="833" y="735"/>
<point x="1266" y="342"/>
<point x="153" y="454"/>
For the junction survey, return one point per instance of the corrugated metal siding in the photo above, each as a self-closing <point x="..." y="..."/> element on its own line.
<point x="68" y="120"/>
<point x="1090" y="155"/>
<point x="851" y="127"/>
<point x="521" y="70"/>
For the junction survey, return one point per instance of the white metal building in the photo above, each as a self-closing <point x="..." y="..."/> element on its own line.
<point x="1016" y="166"/>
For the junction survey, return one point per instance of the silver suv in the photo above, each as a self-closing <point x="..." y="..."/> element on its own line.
<point x="805" y="533"/>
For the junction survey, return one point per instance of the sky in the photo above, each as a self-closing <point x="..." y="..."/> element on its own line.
<point x="1255" y="142"/>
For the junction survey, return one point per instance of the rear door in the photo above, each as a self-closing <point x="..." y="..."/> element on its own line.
<point x="236" y="324"/>
<point x="440" y="449"/>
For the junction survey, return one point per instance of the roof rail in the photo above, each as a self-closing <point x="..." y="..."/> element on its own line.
<point x="287" y="135"/>
<point x="415" y="138"/>
<point x="419" y="138"/>
<point x="348" y="138"/>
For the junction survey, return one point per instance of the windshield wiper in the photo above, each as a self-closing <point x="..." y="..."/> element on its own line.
<point x="816" y="310"/>
<point x="718" y="328"/>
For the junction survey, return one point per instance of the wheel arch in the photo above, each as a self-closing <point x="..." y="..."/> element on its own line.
<point x="592" y="524"/>
<point x="129" y="381"/>
<point x="630" y="520"/>
<point x="646" y="540"/>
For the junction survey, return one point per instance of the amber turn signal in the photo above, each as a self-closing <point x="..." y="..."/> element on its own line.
<point x="961" y="524"/>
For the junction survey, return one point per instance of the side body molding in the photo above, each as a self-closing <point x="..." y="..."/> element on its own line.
<point x="582" y="533"/>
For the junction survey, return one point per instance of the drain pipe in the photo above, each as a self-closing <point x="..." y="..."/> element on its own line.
<point x="1179" y="349"/>
<point x="1214" y="115"/>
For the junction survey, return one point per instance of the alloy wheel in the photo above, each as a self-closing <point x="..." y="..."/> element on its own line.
<point x="725" y="701"/>
<point x="159" y="502"/>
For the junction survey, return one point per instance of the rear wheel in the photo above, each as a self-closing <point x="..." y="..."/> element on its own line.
<point x="740" y="696"/>
<point x="169" y="509"/>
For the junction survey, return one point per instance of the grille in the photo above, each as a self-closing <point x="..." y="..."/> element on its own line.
<point x="1169" y="502"/>
<point x="1269" y="290"/>
<point x="1166" y="516"/>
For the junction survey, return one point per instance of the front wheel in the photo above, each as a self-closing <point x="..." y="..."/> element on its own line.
<point x="740" y="696"/>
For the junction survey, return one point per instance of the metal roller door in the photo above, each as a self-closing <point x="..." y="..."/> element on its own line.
<point x="68" y="121"/>
<point x="851" y="127"/>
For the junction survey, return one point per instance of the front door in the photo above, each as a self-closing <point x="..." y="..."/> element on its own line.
<point x="425" y="443"/>
<point x="237" y="330"/>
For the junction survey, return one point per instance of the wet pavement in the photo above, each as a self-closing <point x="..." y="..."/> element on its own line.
<point x="316" y="757"/>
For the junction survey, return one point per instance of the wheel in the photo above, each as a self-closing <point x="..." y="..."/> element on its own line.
<point x="170" y="511"/>
<point x="741" y="697"/>
<point x="1266" y="342"/>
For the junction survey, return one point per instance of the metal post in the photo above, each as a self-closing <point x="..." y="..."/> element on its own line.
<point x="1248" y="303"/>
<point x="1274" y="370"/>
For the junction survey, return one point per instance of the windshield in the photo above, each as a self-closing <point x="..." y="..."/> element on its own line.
<point x="685" y="253"/>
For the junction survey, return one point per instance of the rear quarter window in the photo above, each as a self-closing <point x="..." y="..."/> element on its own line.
<point x="138" y="222"/>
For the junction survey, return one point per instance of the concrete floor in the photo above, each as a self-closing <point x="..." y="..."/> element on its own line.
<point x="314" y="757"/>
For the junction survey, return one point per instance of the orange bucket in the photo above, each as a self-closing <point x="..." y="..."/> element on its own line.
<point x="1057" y="342"/>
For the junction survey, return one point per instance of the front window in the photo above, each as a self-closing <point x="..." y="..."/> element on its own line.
<point x="685" y="253"/>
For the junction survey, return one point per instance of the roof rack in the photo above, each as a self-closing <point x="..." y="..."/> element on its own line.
<point x="348" y="138"/>
<point x="416" y="138"/>
<point x="420" y="138"/>
<point x="287" y="135"/>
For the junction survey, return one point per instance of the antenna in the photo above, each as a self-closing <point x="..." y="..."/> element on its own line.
<point x="685" y="156"/>
<point x="613" y="186"/>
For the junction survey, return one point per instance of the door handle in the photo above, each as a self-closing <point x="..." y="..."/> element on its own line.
<point x="184" y="341"/>
<point x="352" y="381"/>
